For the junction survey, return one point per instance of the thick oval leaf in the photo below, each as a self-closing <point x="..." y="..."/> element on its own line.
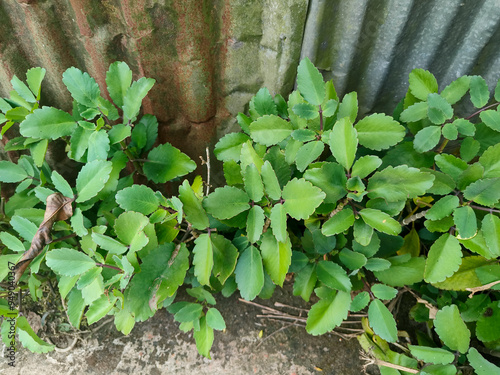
<point x="403" y="273"/>
<point x="138" y="198"/>
<point x="255" y="223"/>
<point x="442" y="208"/>
<point x="491" y="230"/>
<point x="92" y="178"/>
<point x="339" y="222"/>
<point x="29" y="338"/>
<point x="331" y="179"/>
<point x="352" y="259"/>
<point x="98" y="146"/>
<point x="305" y="281"/>
<point x="380" y="221"/>
<point x="108" y="243"/>
<point x="451" y="329"/>
<point x="215" y="319"/>
<point x="399" y="183"/>
<point x="118" y="80"/>
<point x="166" y="162"/>
<point x="439" y="109"/>
<point x="310" y="82"/>
<point x="10" y="172"/>
<point x="444" y="258"/>
<point x="203" y="260"/>
<point x="69" y="262"/>
<point x="488" y="324"/>
<point x="465" y="222"/>
<point x="484" y="191"/>
<point x="226" y="202"/>
<point x="456" y="90"/>
<point x="379" y="132"/>
<point x="308" y="153"/>
<point x="192" y="207"/>
<point x="250" y="273"/>
<point x="270" y="180"/>
<point x="277" y="257"/>
<point x="479" y="92"/>
<point x="129" y="227"/>
<point x="333" y="276"/>
<point x="204" y="338"/>
<point x="415" y="112"/>
<point x="306" y="111"/>
<point x="480" y="365"/>
<point x="382" y="321"/>
<point x="384" y="292"/>
<point x="262" y="104"/>
<point x="490" y="160"/>
<point x="83" y="88"/>
<point x="422" y="83"/>
<point x="343" y="142"/>
<point x="133" y="97"/>
<point x="229" y="146"/>
<point x="432" y="355"/>
<point x="365" y="165"/>
<point x="328" y="313"/>
<point x="47" y="123"/>
<point x="427" y="138"/>
<point x="466" y="276"/>
<point x="225" y="256"/>
<point x="278" y="222"/>
<point x="349" y="107"/>
<point x="269" y="130"/>
<point x="100" y="308"/>
<point x="253" y="183"/>
<point x="301" y="198"/>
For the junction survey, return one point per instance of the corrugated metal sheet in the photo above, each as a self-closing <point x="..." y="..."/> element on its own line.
<point x="371" y="46"/>
<point x="210" y="56"/>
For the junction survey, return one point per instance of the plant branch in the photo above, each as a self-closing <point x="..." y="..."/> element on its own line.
<point x="481" y="110"/>
<point x="108" y="266"/>
<point x="414" y="217"/>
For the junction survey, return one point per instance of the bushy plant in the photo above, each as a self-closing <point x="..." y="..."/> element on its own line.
<point x="359" y="211"/>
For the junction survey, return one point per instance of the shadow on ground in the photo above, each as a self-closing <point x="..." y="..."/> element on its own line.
<point x="157" y="346"/>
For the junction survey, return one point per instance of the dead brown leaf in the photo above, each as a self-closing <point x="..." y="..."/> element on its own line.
<point x="58" y="208"/>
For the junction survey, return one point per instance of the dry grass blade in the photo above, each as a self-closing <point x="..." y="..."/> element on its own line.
<point x="58" y="208"/>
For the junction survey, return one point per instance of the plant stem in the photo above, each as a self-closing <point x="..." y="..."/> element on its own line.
<point x="320" y="119"/>
<point x="484" y="208"/>
<point x="481" y="110"/>
<point x="108" y="266"/>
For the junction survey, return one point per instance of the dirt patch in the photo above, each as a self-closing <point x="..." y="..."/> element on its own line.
<point x="157" y="346"/>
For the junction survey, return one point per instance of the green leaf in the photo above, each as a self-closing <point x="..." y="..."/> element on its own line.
<point x="98" y="146"/>
<point x="480" y="365"/>
<point x="10" y="172"/>
<point x="225" y="256"/>
<point x="13" y="243"/>
<point x="444" y="258"/>
<point x="38" y="151"/>
<point x="250" y="273"/>
<point x="379" y="132"/>
<point x="253" y="183"/>
<point x="490" y="160"/>
<point x="349" y="107"/>
<point x="432" y="355"/>
<point x="203" y="260"/>
<point x="403" y="273"/>
<point x="262" y="104"/>
<point x="384" y="292"/>
<point x="24" y="227"/>
<point x="118" y="80"/>
<point x="439" y="109"/>
<point x="249" y="156"/>
<point x="192" y="207"/>
<point x="360" y="301"/>
<point x="270" y="180"/>
<point x="422" y="83"/>
<point x="442" y="208"/>
<point x="62" y="185"/>
<point x="166" y="162"/>
<point x="331" y="179"/>
<point x="491" y="118"/>
<point x="339" y="222"/>
<point x="215" y="319"/>
<point x="469" y="149"/>
<point x="326" y="314"/>
<point x="488" y="324"/>
<point x="108" y="243"/>
<point x="304" y="135"/>
<point x="329" y="108"/>
<point x="139" y="198"/>
<point x="415" y="112"/>
<point x="100" y="308"/>
<point x="479" y="92"/>
<point x="427" y="138"/>
<point x="301" y="198"/>
<point x="255" y="223"/>
<point x="29" y="339"/>
<point x="270" y="129"/>
<point x="478" y="245"/>
<point x="124" y="321"/>
<point x="82" y="87"/>
<point x="308" y="153"/>
<point x="229" y="146"/>
<point x="47" y="123"/>
<point x="465" y="277"/>
<point x="310" y="82"/>
<point x="399" y="183"/>
<point x="465" y="222"/>
<point x="69" y="262"/>
<point x="23" y="90"/>
<point x="161" y="274"/>
<point x="204" y="338"/>
<point x="450" y="165"/>
<point x="451" y="329"/>
<point x="352" y="259"/>
<point x="92" y="178"/>
<point x="490" y="227"/>
<point x="34" y="78"/>
<point x="306" y="111"/>
<point x="305" y="281"/>
<point x="343" y="142"/>
<point x="450" y="131"/>
<point x="380" y="221"/>
<point x="129" y="228"/>
<point x="333" y="276"/>
<point x="456" y="90"/>
<point x="133" y="97"/>
<point x="465" y="127"/>
<point x="484" y="191"/>
<point x="278" y="222"/>
<point x="277" y="257"/>
<point x="382" y="321"/>
<point x="226" y="202"/>
<point x="365" y="165"/>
